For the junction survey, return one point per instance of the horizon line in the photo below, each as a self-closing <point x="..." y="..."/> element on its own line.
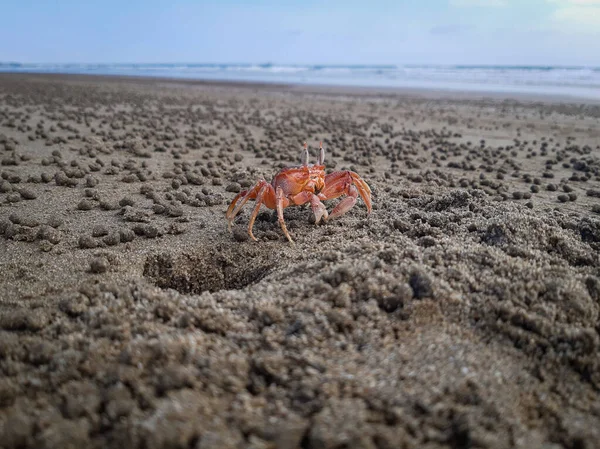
<point x="313" y="65"/>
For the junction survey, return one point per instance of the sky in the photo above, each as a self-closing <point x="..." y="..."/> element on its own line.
<point x="497" y="32"/>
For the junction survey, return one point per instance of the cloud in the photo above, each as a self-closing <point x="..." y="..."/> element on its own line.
<point x="576" y="2"/>
<point x="477" y="3"/>
<point x="578" y="15"/>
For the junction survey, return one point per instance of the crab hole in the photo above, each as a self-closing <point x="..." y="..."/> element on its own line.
<point x="225" y="267"/>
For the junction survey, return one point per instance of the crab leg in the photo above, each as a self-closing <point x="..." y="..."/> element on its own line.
<point x="363" y="189"/>
<point x="346" y="204"/>
<point x="281" y="203"/>
<point x="345" y="183"/>
<point x="246" y="195"/>
<point x="259" y="201"/>
<point x="231" y="213"/>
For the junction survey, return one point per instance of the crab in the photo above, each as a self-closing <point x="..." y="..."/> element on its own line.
<point x="295" y="186"/>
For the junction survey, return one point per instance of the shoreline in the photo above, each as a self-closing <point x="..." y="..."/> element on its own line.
<point x="331" y="89"/>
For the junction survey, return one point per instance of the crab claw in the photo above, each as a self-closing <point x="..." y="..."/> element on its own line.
<point x="345" y="183"/>
<point x="318" y="209"/>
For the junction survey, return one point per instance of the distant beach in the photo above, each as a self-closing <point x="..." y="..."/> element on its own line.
<point x="575" y="81"/>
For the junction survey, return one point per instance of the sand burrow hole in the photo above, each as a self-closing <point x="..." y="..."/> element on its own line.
<point x="222" y="267"/>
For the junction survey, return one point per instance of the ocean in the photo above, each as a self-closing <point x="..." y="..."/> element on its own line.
<point x="579" y="82"/>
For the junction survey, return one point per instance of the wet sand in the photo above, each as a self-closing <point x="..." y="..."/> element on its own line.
<point x="464" y="312"/>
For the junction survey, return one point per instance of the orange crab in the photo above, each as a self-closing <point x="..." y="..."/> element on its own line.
<point x="308" y="183"/>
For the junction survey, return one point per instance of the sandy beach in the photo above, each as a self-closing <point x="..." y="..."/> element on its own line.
<point x="463" y="312"/>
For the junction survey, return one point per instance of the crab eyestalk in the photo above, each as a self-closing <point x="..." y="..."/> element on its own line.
<point x="305" y="154"/>
<point x="321" y="153"/>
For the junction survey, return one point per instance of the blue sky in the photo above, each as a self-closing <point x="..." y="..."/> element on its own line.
<point x="543" y="32"/>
